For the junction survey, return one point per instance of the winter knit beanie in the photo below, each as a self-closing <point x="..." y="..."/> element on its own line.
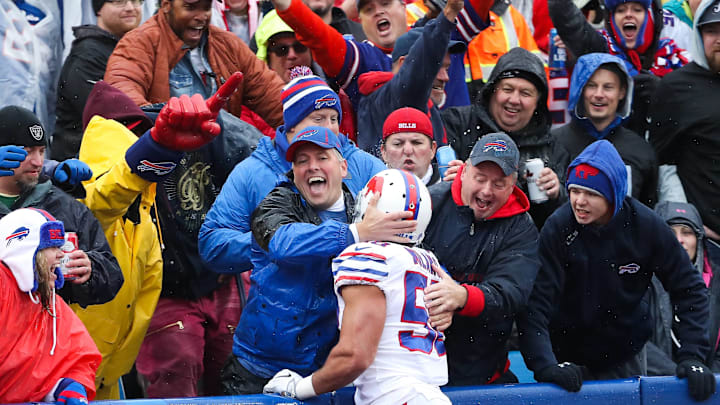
<point x="19" y="126"/>
<point x="97" y="5"/>
<point x="23" y="233"/>
<point x="590" y="178"/>
<point x="407" y="119"/>
<point x="305" y="94"/>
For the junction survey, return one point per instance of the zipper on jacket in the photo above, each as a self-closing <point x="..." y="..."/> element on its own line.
<point x="178" y="323"/>
<point x="472" y="229"/>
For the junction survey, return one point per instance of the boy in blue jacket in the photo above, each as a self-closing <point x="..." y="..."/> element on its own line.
<point x="586" y="317"/>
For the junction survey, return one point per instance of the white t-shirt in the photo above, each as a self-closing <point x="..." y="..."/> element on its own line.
<point x="410" y="360"/>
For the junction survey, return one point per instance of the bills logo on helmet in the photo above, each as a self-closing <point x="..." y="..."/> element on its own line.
<point x="18" y="235"/>
<point x="375" y="186"/>
<point x="631" y="268"/>
<point x="36" y="131"/>
<point x="159" y="168"/>
<point x="325" y="102"/>
<point x="497" y="146"/>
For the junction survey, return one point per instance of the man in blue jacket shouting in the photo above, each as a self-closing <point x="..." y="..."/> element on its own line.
<point x="586" y="317"/>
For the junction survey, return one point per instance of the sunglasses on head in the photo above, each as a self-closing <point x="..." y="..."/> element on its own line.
<point x="284" y="50"/>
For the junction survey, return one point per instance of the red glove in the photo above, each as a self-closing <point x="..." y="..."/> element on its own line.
<point x="187" y="123"/>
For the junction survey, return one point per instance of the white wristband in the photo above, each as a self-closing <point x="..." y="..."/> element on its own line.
<point x="355" y="234"/>
<point x="304" y="388"/>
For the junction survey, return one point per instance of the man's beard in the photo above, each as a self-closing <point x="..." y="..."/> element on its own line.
<point x="322" y="11"/>
<point x="27" y="185"/>
<point x="46" y="287"/>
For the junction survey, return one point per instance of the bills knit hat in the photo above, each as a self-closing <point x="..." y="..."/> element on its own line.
<point x="320" y="136"/>
<point x="19" y="126"/>
<point x="407" y="119"/>
<point x="23" y="233"/>
<point x="592" y="179"/>
<point x="305" y="94"/>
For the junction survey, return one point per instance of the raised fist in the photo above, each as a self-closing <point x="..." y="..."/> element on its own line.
<point x="188" y="123"/>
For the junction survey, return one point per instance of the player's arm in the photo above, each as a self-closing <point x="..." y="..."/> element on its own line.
<point x="362" y="325"/>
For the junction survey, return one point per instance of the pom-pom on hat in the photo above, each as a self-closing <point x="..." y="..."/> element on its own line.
<point x="23" y="233"/>
<point x="305" y="94"/>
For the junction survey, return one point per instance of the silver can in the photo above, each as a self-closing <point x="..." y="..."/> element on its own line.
<point x="533" y="167"/>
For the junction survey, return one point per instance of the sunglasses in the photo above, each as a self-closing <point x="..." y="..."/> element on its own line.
<point x="284" y="50"/>
<point x="122" y="3"/>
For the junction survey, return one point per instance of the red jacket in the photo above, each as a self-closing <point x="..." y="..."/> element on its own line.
<point x="27" y="369"/>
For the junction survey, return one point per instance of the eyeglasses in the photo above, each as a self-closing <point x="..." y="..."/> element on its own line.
<point x="283" y="50"/>
<point x="121" y="3"/>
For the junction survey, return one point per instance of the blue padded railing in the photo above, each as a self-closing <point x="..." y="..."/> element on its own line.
<point x="631" y="391"/>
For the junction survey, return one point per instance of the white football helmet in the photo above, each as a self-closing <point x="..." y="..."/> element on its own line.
<point x="399" y="191"/>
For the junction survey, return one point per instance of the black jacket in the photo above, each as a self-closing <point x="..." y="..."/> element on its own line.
<point x="633" y="150"/>
<point x="685" y="133"/>
<point x="465" y="125"/>
<point x="84" y="66"/>
<point x="581" y="38"/>
<point x="589" y="304"/>
<point x="106" y="277"/>
<point x="499" y="256"/>
<point x="345" y="26"/>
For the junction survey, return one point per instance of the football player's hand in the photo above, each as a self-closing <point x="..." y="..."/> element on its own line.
<point x="290" y="384"/>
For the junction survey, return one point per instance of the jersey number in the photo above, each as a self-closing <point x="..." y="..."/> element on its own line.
<point x="414" y="313"/>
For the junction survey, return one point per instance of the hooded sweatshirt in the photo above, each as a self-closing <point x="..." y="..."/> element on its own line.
<point x="685" y="129"/>
<point x="39" y="345"/>
<point x="707" y="262"/>
<point x="637" y="154"/>
<point x="465" y="125"/>
<point x="587" y="304"/>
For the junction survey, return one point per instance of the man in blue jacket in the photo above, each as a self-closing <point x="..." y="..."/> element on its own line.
<point x="586" y="317"/>
<point x="225" y="236"/>
<point x="290" y="320"/>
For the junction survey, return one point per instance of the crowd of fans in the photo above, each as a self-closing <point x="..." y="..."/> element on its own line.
<point x="183" y="175"/>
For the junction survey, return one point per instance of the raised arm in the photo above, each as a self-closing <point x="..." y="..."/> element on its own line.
<point x="576" y="32"/>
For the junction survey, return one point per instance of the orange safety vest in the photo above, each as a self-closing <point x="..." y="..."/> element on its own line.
<point x="504" y="33"/>
<point x="415" y="11"/>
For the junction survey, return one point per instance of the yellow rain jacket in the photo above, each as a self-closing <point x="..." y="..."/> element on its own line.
<point x="118" y="327"/>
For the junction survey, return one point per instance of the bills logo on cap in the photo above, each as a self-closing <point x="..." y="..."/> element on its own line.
<point x="308" y="134"/>
<point x="36" y="132"/>
<point x="159" y="168"/>
<point x="19" y="234"/>
<point x="631" y="268"/>
<point x="325" y="102"/>
<point x="497" y="146"/>
<point x="407" y="125"/>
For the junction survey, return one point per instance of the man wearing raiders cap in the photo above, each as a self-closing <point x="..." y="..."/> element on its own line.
<point x="97" y="276"/>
